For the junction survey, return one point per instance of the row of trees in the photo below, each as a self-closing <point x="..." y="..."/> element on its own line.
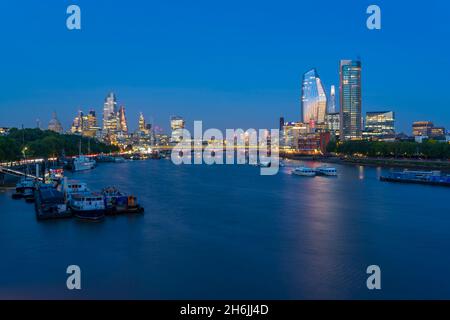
<point x="428" y="150"/>
<point x="44" y="144"/>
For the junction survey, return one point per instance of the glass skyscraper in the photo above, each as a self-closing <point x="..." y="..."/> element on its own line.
<point x="110" y="118"/>
<point x="350" y="99"/>
<point x="314" y="99"/>
<point x="332" y="100"/>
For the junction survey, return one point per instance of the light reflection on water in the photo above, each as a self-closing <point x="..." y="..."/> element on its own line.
<point x="227" y="232"/>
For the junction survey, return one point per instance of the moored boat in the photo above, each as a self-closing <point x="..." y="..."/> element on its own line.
<point x="50" y="203"/>
<point x="28" y="195"/>
<point x="87" y="205"/>
<point x="119" y="202"/>
<point x="82" y="163"/>
<point x="25" y="183"/>
<point x="70" y="187"/>
<point x="418" y="177"/>
<point x="326" y="171"/>
<point x="304" y="171"/>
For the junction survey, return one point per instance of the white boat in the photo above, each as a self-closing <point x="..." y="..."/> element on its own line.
<point x="88" y="205"/>
<point x="25" y="183"/>
<point x="71" y="187"/>
<point x="326" y="171"/>
<point x="81" y="163"/>
<point x="304" y="171"/>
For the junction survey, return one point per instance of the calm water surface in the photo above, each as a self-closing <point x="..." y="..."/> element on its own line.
<point x="226" y="232"/>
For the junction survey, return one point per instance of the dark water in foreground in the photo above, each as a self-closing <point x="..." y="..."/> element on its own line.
<point x="227" y="232"/>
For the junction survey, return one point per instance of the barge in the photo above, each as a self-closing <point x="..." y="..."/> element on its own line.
<point x="50" y="203"/>
<point x="435" y="178"/>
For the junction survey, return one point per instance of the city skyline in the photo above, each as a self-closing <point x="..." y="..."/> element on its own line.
<point x="222" y="73"/>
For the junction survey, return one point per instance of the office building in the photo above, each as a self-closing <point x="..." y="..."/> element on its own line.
<point x="379" y="124"/>
<point x="314" y="100"/>
<point x="350" y="100"/>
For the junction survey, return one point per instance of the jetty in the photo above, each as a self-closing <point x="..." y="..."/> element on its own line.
<point x="19" y="174"/>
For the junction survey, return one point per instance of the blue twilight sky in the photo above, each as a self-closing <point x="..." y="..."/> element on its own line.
<point x="233" y="63"/>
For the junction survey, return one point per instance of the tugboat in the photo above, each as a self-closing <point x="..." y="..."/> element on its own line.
<point x="88" y="205"/>
<point x="119" y="202"/>
<point x="304" y="171"/>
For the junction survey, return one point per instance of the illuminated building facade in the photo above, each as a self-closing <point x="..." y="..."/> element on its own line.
<point x="77" y="123"/>
<point x="422" y="128"/>
<point x="333" y="123"/>
<point x="123" y="126"/>
<point x="110" y="114"/>
<point x="314" y="99"/>
<point x="379" y="124"/>
<point x="350" y="100"/>
<point x="142" y="124"/>
<point x="313" y="143"/>
<point x="332" y="101"/>
<point x="176" y="123"/>
<point x="291" y="133"/>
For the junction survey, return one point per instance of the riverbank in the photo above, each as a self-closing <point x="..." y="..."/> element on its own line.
<point x="379" y="162"/>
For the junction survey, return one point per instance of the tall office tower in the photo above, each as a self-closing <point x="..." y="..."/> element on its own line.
<point x="122" y="120"/>
<point x="332" y="100"/>
<point x="54" y="124"/>
<point x="281" y="124"/>
<point x="176" y="123"/>
<point x="77" y="124"/>
<point x="350" y="98"/>
<point x="142" y="125"/>
<point x="91" y="119"/>
<point x="314" y="99"/>
<point x="110" y="116"/>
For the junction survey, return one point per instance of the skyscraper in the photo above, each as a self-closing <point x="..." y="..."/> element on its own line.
<point x="332" y="100"/>
<point x="314" y="99"/>
<point x="91" y="119"/>
<point x="77" y="123"/>
<point x="176" y="123"/>
<point x="142" y="127"/>
<point x="350" y="98"/>
<point x="110" y="115"/>
<point x="123" y="127"/>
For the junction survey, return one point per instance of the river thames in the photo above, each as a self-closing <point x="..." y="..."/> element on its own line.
<point x="226" y="232"/>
